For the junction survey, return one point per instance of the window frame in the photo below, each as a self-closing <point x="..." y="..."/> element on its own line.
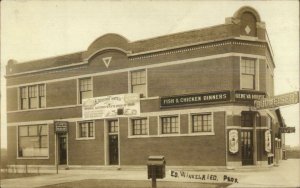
<point x="255" y="74"/>
<point x="79" y="92"/>
<point x="79" y="128"/>
<point x="48" y="141"/>
<point x="160" y="130"/>
<point x="40" y="97"/>
<point x="131" y="129"/>
<point x="190" y="131"/>
<point x="130" y="84"/>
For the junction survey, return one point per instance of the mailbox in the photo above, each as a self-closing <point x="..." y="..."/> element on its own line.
<point x="156" y="166"/>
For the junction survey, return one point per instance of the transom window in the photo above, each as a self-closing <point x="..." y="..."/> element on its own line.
<point x="247" y="119"/>
<point x="201" y="123"/>
<point x="85" y="89"/>
<point x="139" y="126"/>
<point x="169" y="125"/>
<point x="113" y="126"/>
<point x="33" y="141"/>
<point x="32" y="97"/>
<point x="248" y="73"/>
<point x="86" y="129"/>
<point x="138" y="82"/>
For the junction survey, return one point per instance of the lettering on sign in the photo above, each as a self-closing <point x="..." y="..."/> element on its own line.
<point x="61" y="126"/>
<point x="111" y="106"/>
<point x="243" y="95"/>
<point x="287" y="129"/>
<point x="195" y="176"/>
<point x="276" y="101"/>
<point x="190" y="99"/>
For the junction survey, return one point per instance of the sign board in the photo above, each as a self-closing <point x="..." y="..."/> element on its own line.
<point x="201" y="98"/>
<point x="61" y="126"/>
<point x="287" y="129"/>
<point x="244" y="95"/>
<point x="268" y="141"/>
<point x="111" y="106"/>
<point x="276" y="101"/>
<point x="233" y="141"/>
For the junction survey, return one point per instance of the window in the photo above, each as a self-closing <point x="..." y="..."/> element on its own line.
<point x="248" y="74"/>
<point x="113" y="126"/>
<point x="247" y="119"/>
<point x="32" y="97"/>
<point x="85" y="130"/>
<point x="85" y="89"/>
<point x="169" y="125"/>
<point x="139" y="126"/>
<point x="138" y="82"/>
<point x="201" y="123"/>
<point x="33" y="141"/>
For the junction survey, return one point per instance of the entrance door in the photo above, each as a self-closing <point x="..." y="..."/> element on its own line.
<point x="247" y="147"/>
<point x="62" y="150"/>
<point x="113" y="150"/>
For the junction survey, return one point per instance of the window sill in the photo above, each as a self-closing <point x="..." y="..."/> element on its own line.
<point x="139" y="136"/>
<point x="24" y="158"/>
<point x="87" y="138"/>
<point x="202" y="134"/>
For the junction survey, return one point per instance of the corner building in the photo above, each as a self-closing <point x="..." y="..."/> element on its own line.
<point x="196" y="93"/>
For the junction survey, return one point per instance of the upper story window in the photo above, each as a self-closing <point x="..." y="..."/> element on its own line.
<point x="32" y="97"/>
<point x="248" y="73"/>
<point x="33" y="141"/>
<point x="86" y="129"/>
<point x="169" y="125"/>
<point x="85" y="89"/>
<point x="138" y="82"/>
<point x="201" y="123"/>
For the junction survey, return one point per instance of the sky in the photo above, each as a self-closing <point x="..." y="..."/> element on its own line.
<point x="39" y="29"/>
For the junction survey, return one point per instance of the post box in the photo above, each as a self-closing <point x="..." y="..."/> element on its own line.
<point x="156" y="166"/>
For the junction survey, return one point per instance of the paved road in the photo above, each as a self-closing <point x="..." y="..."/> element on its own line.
<point x="286" y="175"/>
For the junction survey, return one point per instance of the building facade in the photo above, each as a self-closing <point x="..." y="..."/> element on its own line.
<point x="195" y="100"/>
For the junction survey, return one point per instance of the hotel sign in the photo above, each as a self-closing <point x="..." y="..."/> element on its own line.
<point x="287" y="129"/>
<point x="111" y="106"/>
<point x="243" y="95"/>
<point x="276" y="101"/>
<point x="61" y="127"/>
<point x="201" y="98"/>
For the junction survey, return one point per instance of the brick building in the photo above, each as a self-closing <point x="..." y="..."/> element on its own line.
<point x="194" y="94"/>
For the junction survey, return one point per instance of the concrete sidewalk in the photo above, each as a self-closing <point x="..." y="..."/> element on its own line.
<point x="286" y="175"/>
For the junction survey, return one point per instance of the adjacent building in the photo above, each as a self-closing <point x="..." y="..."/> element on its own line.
<point x="187" y="96"/>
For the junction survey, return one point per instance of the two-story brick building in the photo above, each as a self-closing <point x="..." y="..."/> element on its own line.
<point x="195" y="104"/>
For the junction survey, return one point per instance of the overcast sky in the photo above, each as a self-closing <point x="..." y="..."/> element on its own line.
<point x="38" y="29"/>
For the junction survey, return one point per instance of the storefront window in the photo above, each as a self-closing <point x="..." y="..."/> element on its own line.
<point x="33" y="141"/>
<point x="247" y="119"/>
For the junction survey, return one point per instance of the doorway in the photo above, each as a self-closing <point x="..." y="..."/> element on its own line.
<point x="247" y="147"/>
<point x="113" y="142"/>
<point x="62" y="144"/>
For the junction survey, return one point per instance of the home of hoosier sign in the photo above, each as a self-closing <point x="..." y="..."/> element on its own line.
<point x="201" y="98"/>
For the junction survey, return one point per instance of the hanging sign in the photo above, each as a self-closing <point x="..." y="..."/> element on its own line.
<point x="233" y="141"/>
<point x="268" y="141"/>
<point x="111" y="106"/>
<point x="276" y="101"/>
<point x="287" y="129"/>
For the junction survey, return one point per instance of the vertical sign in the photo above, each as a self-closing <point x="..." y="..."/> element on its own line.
<point x="268" y="141"/>
<point x="233" y="141"/>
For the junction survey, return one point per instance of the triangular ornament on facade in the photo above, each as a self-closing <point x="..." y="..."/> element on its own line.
<point x="106" y="61"/>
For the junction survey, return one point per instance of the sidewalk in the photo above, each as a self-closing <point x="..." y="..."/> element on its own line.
<point x="286" y="175"/>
